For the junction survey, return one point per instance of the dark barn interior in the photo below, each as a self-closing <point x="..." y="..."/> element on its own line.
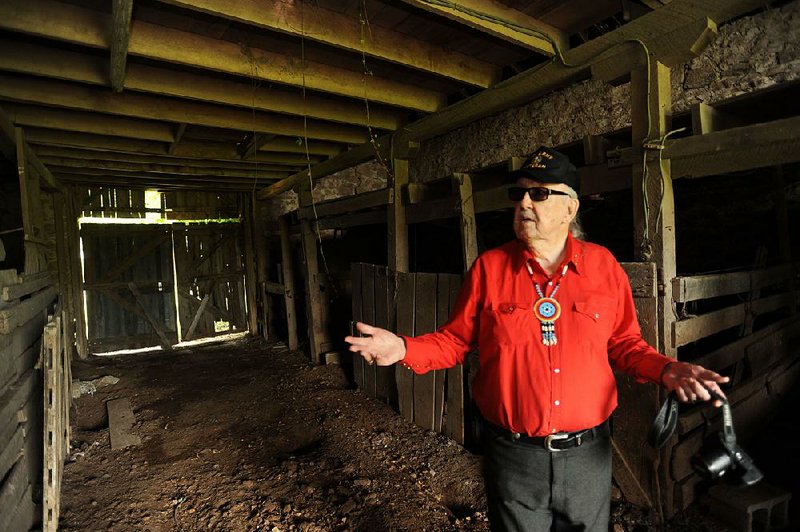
<point x="199" y="198"/>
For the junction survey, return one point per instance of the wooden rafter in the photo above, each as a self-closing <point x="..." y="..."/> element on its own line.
<point x="334" y="29"/>
<point x="71" y="96"/>
<point x="139" y="182"/>
<point x="62" y="162"/>
<point x="61" y="21"/>
<point x="82" y="122"/>
<point x="72" y="153"/>
<point x="121" y="11"/>
<point x="500" y="21"/>
<point x="37" y="60"/>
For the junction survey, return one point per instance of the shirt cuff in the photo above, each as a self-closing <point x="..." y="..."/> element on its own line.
<point x="652" y="370"/>
<point x="414" y="360"/>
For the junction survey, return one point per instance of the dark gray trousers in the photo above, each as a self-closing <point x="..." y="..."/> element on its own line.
<point x="531" y="489"/>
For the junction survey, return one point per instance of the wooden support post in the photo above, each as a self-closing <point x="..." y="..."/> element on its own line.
<point x="654" y="241"/>
<point x="397" y="226"/>
<point x="65" y="265"/>
<point x="313" y="294"/>
<point x="782" y="222"/>
<point x="288" y="283"/>
<point x="249" y="265"/>
<point x="262" y="260"/>
<point x="73" y="255"/>
<point x="469" y="235"/>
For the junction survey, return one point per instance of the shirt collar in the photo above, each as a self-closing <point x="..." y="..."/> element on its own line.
<point x="573" y="255"/>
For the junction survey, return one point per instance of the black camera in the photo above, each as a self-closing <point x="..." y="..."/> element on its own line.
<point x="715" y="461"/>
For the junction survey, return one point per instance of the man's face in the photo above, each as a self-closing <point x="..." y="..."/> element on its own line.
<point x="543" y="220"/>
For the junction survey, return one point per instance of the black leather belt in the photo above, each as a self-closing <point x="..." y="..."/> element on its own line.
<point x="560" y="441"/>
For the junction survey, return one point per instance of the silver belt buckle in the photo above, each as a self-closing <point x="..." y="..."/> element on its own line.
<point x="548" y="441"/>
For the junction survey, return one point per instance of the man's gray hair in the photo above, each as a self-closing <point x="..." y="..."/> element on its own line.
<point x="575" y="227"/>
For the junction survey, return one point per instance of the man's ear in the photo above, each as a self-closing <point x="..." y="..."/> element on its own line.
<point x="572" y="208"/>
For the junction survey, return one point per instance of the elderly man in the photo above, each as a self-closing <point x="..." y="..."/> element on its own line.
<point x="551" y="316"/>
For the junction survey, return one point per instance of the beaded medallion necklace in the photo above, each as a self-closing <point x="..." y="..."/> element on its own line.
<point x="547" y="310"/>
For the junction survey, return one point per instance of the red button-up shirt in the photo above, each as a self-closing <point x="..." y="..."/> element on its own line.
<point x="523" y="385"/>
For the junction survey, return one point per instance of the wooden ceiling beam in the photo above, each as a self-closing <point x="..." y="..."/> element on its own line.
<point x="72" y="153"/>
<point x="301" y="19"/>
<point x="97" y="124"/>
<point x="121" y="11"/>
<point x="76" y="166"/>
<point x="297" y="145"/>
<point x="147" y="182"/>
<point x="37" y="60"/>
<point x="80" y="165"/>
<point x="65" y="22"/>
<point x="78" y="97"/>
<point x="498" y="20"/>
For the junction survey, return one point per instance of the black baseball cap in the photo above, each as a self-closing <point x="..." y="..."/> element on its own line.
<point x="546" y="165"/>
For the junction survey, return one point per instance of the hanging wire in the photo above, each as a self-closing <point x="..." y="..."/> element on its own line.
<point x="307" y="153"/>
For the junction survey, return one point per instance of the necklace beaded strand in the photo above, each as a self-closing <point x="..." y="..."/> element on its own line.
<point x="547" y="309"/>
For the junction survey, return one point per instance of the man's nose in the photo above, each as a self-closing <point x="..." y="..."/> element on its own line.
<point x="526" y="202"/>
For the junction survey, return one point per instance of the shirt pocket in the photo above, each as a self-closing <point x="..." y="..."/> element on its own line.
<point x="506" y="323"/>
<point x="595" y="317"/>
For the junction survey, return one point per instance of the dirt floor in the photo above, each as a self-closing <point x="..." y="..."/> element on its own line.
<point x="250" y="436"/>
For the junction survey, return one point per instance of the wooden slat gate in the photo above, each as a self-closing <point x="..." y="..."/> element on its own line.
<point x="208" y="262"/>
<point x="128" y="280"/>
<point x="411" y="304"/>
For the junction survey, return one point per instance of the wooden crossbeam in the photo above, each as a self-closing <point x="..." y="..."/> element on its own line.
<point x="500" y="21"/>
<point x="735" y="150"/>
<point x="64" y="22"/>
<point x="298" y="145"/>
<point x="139" y="182"/>
<point x="121" y="11"/>
<point x="37" y="60"/>
<point x="75" y="153"/>
<point x="696" y="287"/>
<point x="345" y="32"/>
<point x="70" y="96"/>
<point x="348" y="204"/>
<point x="94" y="123"/>
<point x="63" y="162"/>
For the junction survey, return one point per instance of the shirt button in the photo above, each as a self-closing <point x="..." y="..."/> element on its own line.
<point x="597" y="316"/>
<point x="557" y="402"/>
<point x="516" y="435"/>
<point x="557" y="370"/>
<point x="549" y="283"/>
<point x="554" y="431"/>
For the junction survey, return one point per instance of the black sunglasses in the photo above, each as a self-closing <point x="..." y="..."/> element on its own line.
<point x="535" y="193"/>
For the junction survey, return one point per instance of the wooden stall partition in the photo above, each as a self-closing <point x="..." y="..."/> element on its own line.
<point x="635" y="463"/>
<point x="357" y="297"/>
<point x="368" y="316"/>
<point x="56" y="368"/>
<point x="385" y="387"/>
<point x="24" y="299"/>
<point x="211" y="292"/>
<point x="404" y="377"/>
<point x="129" y="286"/>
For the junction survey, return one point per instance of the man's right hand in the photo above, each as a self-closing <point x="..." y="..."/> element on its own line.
<point x="378" y="345"/>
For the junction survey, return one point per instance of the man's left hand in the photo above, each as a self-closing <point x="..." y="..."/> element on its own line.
<point x="691" y="382"/>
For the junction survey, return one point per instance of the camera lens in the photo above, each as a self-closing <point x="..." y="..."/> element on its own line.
<point x="712" y="464"/>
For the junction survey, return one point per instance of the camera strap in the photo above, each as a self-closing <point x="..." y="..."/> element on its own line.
<point x="667" y="419"/>
<point x="665" y="422"/>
